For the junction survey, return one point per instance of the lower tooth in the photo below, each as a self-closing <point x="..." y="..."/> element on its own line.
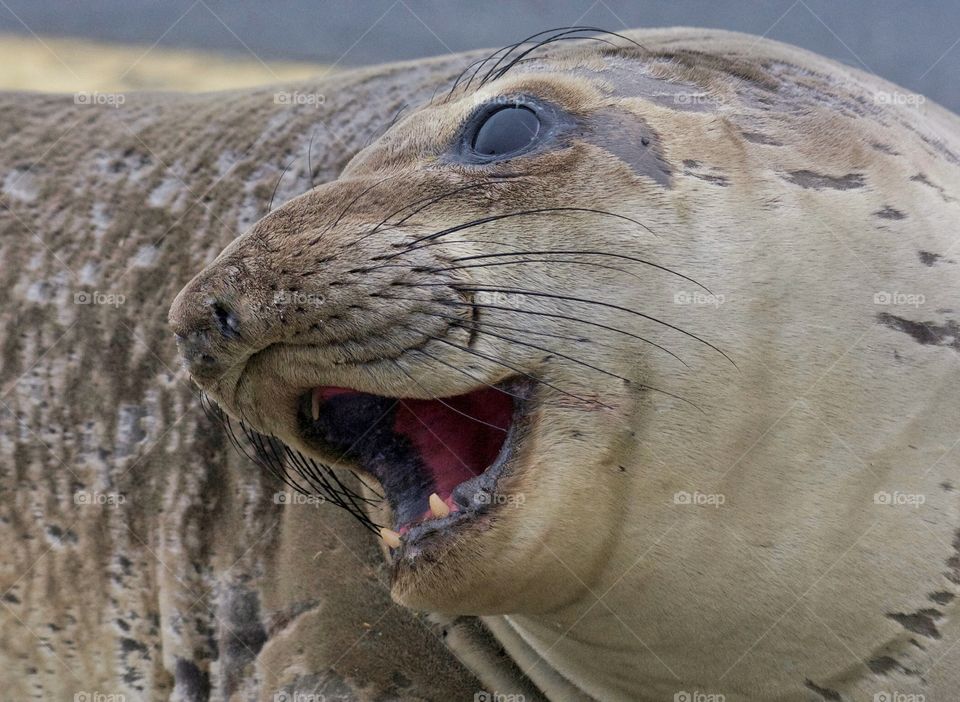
<point x="390" y="537"/>
<point x="315" y="406"/>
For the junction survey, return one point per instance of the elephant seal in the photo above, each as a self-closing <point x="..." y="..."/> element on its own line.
<point x="646" y="348"/>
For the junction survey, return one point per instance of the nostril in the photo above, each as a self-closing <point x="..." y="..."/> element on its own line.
<point x="227" y="321"/>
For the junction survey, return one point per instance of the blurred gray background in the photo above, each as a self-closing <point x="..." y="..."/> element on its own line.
<point x="916" y="44"/>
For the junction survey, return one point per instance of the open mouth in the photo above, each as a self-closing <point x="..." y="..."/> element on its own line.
<point x="438" y="460"/>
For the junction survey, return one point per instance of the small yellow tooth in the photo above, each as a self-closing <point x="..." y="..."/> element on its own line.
<point x="438" y="507"/>
<point x="315" y="406"/>
<point x="390" y="537"/>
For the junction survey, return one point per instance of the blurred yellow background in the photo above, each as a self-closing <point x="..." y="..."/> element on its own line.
<point x="70" y="65"/>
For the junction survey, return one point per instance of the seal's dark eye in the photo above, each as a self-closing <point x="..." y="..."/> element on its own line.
<point x="505" y="131"/>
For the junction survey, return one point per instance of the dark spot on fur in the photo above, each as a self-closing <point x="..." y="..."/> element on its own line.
<point x="928" y="258"/>
<point x="925" y="333"/>
<point x="953" y="563"/>
<point x="690" y="165"/>
<point x="722" y="181"/>
<point x="10" y="597"/>
<point x="921" y="622"/>
<point x="947" y="486"/>
<point x="890" y="213"/>
<point x="881" y="665"/>
<point x="630" y="140"/>
<point x="942" y="597"/>
<point x="884" y="148"/>
<point x="825" y="693"/>
<point x="923" y="180"/>
<point x="819" y="181"/>
<point x="400" y="680"/>
<point x="127" y="645"/>
<point x="192" y="684"/>
<point x="938" y="146"/>
<point x="245" y="635"/>
<point x="758" y="138"/>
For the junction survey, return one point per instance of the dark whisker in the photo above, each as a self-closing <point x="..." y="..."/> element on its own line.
<point x="570" y="298"/>
<point x="478" y="325"/>
<point x="310" y="158"/>
<point x="268" y="454"/>
<point x="349" y="205"/>
<point x="277" y="185"/>
<point x="494" y="74"/>
<point x="588" y="365"/>
<point x="480" y="381"/>
<point x="430" y="200"/>
<point x="517" y="370"/>
<point x="535" y="260"/>
<point x="538" y="313"/>
<point x="510" y="47"/>
<point x="445" y="404"/>
<point x="494" y="218"/>
<point x="623" y="257"/>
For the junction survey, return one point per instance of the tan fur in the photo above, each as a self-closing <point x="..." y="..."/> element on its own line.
<point x="799" y="585"/>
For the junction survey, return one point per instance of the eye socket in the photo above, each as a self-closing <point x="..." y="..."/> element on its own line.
<point x="506" y="131"/>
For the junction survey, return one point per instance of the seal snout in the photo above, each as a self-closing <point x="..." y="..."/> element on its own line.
<point x="208" y="331"/>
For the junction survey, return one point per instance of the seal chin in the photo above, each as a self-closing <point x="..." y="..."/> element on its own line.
<point x="439" y="461"/>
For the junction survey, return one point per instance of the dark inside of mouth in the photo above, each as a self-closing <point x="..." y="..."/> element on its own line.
<point x="413" y="447"/>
